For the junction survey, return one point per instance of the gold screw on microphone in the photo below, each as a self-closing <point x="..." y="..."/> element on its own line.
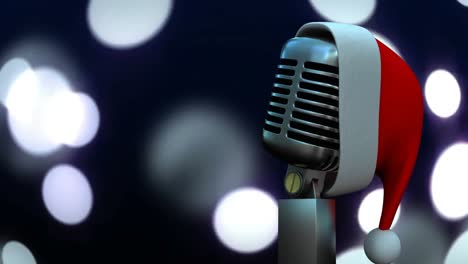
<point x="293" y="183"/>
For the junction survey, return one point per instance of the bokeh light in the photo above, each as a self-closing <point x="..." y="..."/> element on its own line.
<point x="449" y="182"/>
<point x="64" y="115"/>
<point x="203" y="147"/>
<point x="423" y="237"/>
<point x="21" y="96"/>
<point x="246" y="220"/>
<point x="90" y="124"/>
<point x="26" y="102"/>
<point x="127" y="23"/>
<point x="354" y="255"/>
<point x="40" y="50"/>
<point x="458" y="252"/>
<point x="71" y="118"/>
<point x="442" y="93"/>
<point x="15" y="252"/>
<point x="67" y="194"/>
<point x="344" y="11"/>
<point x="44" y="113"/>
<point x="463" y="2"/>
<point x="9" y="73"/>
<point x="370" y="210"/>
<point x="387" y="42"/>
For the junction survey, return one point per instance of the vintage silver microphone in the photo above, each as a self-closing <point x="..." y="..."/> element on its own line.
<point x="337" y="117"/>
<point x="301" y="127"/>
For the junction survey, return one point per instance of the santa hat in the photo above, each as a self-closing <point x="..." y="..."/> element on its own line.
<point x="380" y="123"/>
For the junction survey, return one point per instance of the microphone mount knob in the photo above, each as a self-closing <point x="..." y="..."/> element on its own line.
<point x="303" y="182"/>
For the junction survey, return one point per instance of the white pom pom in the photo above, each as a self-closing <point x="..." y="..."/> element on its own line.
<point x="382" y="246"/>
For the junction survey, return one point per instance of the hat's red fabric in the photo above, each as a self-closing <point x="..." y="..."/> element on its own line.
<point x="400" y="126"/>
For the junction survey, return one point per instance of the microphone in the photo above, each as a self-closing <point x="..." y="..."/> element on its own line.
<point x="343" y="108"/>
<point x="301" y="125"/>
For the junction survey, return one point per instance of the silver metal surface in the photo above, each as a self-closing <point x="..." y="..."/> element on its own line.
<point x="306" y="232"/>
<point x="301" y="126"/>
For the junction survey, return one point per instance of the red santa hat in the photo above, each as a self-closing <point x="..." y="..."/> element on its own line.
<point x="380" y="123"/>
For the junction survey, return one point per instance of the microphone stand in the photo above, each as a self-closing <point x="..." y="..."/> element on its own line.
<point x="306" y="232"/>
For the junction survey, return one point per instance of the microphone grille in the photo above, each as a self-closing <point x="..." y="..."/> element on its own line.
<point x="302" y="119"/>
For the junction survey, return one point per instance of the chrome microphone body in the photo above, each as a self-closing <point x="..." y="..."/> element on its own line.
<point x="302" y="121"/>
<point x="337" y="117"/>
<point x="302" y="128"/>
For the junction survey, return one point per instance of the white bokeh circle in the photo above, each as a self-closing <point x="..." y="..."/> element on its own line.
<point x="124" y="24"/>
<point x="90" y="126"/>
<point x="458" y="252"/>
<point x="64" y="115"/>
<point x="449" y="182"/>
<point x="9" y="73"/>
<point x="67" y="194"/>
<point x="246" y="220"/>
<point x="442" y="93"/>
<point x="345" y="11"/>
<point x="463" y="2"/>
<point x="26" y="102"/>
<point x="14" y="252"/>
<point x="71" y="119"/>
<point x="371" y="209"/>
<point x="44" y="112"/>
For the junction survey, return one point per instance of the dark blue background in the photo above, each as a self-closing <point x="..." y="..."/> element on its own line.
<point x="225" y="51"/>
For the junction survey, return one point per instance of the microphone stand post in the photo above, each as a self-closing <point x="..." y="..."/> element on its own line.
<point x="306" y="232"/>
